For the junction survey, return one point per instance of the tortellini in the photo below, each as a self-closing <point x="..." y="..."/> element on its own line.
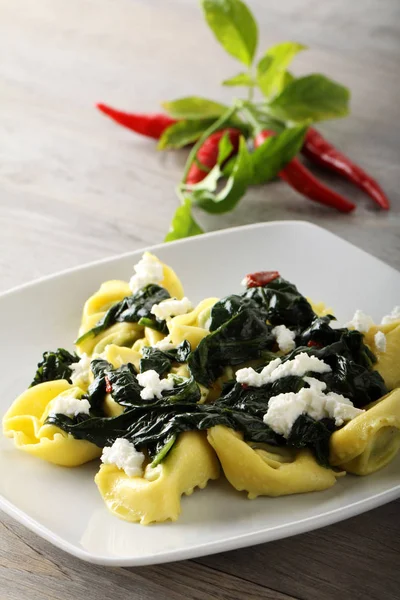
<point x="121" y="334"/>
<point x="371" y="440"/>
<point x="24" y="421"/>
<point x="275" y="472"/>
<point x="156" y="496"/>
<point x="193" y="325"/>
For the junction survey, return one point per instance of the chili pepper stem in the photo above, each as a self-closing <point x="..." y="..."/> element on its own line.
<point x="192" y="154"/>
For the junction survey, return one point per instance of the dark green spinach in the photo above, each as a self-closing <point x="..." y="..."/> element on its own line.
<point x="132" y="309"/>
<point x="162" y="360"/>
<point x="242" y="338"/>
<point x="283" y="304"/>
<point x="55" y="365"/>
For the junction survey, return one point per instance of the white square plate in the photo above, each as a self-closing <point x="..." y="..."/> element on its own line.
<point x="64" y="506"/>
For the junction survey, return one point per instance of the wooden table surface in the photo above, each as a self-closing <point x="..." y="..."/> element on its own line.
<point x="75" y="188"/>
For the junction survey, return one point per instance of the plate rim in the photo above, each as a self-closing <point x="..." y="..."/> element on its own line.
<point x="208" y="548"/>
<point x="282" y="531"/>
<point x="188" y="240"/>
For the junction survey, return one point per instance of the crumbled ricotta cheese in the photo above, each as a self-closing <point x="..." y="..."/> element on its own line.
<point x="284" y="337"/>
<point x="81" y="370"/>
<point x="171" y="308"/>
<point x="394" y="316"/>
<point x="300" y="365"/>
<point x="360" y="322"/>
<point x="152" y="384"/>
<point x="165" y="344"/>
<point x="69" y="405"/>
<point x="124" y="455"/>
<point x="380" y="341"/>
<point x="284" y="409"/>
<point x="148" y="270"/>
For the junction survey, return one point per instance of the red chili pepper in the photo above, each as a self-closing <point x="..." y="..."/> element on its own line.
<point x="207" y="154"/>
<point x="260" y="278"/>
<point x="320" y="151"/>
<point x="108" y="385"/>
<point x="304" y="182"/>
<point x="151" y="125"/>
<point x="312" y="344"/>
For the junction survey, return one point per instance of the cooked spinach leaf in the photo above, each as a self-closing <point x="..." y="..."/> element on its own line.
<point x="228" y="307"/>
<point x="161" y="360"/>
<point x="283" y="304"/>
<point x="55" y="365"/>
<point x="236" y="341"/>
<point x="321" y="334"/>
<point x="132" y="309"/>
<point x="278" y="302"/>
<point x="156" y="360"/>
<point x="306" y="432"/>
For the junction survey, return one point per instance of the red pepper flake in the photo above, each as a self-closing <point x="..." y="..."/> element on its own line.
<point x="245" y="386"/>
<point x="260" y="278"/>
<point x="313" y="344"/>
<point x="108" y="385"/>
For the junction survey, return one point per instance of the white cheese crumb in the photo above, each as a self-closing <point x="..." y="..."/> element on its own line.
<point x="165" y="344"/>
<point x="360" y="322"/>
<point x="124" y="455"/>
<point x="284" y="409"/>
<point x="152" y="384"/>
<point x="300" y="365"/>
<point x="380" y="341"/>
<point x="284" y="337"/>
<point x="171" y="308"/>
<point x="81" y="370"/>
<point x="69" y="405"/>
<point x="394" y="316"/>
<point x="249" y="376"/>
<point x="244" y="282"/>
<point x="148" y="270"/>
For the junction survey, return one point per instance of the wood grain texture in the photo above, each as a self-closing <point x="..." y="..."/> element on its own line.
<point x="75" y="188"/>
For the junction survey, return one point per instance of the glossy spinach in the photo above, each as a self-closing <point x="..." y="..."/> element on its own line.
<point x="162" y="360"/>
<point x="243" y="337"/>
<point x="283" y="304"/>
<point x="55" y="365"/>
<point x="132" y="309"/>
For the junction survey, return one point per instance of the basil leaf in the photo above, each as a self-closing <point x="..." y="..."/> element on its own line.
<point x="206" y="195"/>
<point x="311" y="98"/>
<point x="269" y="158"/>
<point x="225" y="148"/>
<point x="183" y="225"/>
<point x="271" y="69"/>
<point x="241" y="79"/>
<point x="194" y="107"/>
<point x="234" y="27"/>
<point x="183" y="133"/>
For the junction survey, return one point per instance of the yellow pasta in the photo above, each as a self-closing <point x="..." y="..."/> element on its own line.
<point x="24" y="421"/>
<point x="371" y="440"/>
<point x="320" y="308"/>
<point x="191" y="326"/>
<point x="156" y="496"/>
<point x="262" y="473"/>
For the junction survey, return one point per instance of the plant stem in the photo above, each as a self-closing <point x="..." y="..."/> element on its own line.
<point x="214" y="127"/>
